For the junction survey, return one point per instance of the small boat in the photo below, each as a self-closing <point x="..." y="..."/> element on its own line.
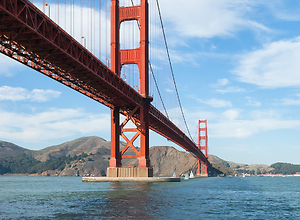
<point x="186" y="177"/>
<point x="174" y="175"/>
<point x="244" y="175"/>
<point x="192" y="175"/>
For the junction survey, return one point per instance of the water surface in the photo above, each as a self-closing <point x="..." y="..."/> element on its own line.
<point x="201" y="198"/>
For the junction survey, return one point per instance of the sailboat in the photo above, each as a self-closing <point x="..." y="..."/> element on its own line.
<point x="192" y="175"/>
<point x="186" y="177"/>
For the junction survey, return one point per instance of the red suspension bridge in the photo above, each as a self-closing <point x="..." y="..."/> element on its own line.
<point x="30" y="36"/>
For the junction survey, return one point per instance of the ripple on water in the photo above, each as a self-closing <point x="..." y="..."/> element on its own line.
<point x="203" y="198"/>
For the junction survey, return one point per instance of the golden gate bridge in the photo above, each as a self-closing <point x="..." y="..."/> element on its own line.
<point x="68" y="42"/>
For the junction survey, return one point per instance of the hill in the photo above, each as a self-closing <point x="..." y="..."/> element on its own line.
<point x="11" y="150"/>
<point x="88" y="145"/>
<point x="55" y="159"/>
<point x="231" y="168"/>
<point x="167" y="160"/>
<point x="285" y="168"/>
<point x="90" y="155"/>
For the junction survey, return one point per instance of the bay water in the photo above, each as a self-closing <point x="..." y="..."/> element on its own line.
<point x="23" y="197"/>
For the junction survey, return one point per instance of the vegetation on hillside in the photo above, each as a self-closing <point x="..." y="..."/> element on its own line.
<point x="285" y="168"/>
<point x="94" y="155"/>
<point x="27" y="164"/>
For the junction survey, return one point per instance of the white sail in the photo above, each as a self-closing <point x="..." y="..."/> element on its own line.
<point x="192" y="175"/>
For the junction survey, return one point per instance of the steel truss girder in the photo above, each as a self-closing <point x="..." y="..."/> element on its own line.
<point x="16" y="52"/>
<point x="129" y="143"/>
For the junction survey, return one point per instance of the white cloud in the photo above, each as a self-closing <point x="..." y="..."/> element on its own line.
<point x="18" y="94"/>
<point x="231" y="114"/>
<point x="41" y="95"/>
<point x="210" y="18"/>
<point x="8" y="66"/>
<point x="232" y="89"/>
<point x="231" y="123"/>
<point x="216" y="103"/>
<point x="246" y="128"/>
<point x="223" y="82"/>
<point x="283" y="9"/>
<point x="231" y="126"/>
<point x="265" y="114"/>
<point x="252" y="102"/>
<point x="289" y="101"/>
<point x="275" y="65"/>
<point x="169" y="90"/>
<point x="49" y="125"/>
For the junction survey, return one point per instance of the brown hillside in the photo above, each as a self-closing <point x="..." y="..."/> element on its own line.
<point x="164" y="160"/>
<point x="167" y="160"/>
<point x="11" y="150"/>
<point x="86" y="145"/>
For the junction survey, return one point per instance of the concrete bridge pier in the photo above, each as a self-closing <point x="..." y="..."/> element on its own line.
<point x="129" y="172"/>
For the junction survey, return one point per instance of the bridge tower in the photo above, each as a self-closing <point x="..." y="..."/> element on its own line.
<point x="202" y="145"/>
<point x="140" y="57"/>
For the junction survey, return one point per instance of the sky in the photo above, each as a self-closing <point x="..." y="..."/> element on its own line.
<point x="235" y="63"/>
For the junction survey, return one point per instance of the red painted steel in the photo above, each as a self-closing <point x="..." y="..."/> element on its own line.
<point x="33" y="39"/>
<point x="115" y="159"/>
<point x="120" y="58"/>
<point x="202" y="145"/>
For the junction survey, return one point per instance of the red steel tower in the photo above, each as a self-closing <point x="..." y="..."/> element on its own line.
<point x="140" y="57"/>
<point x="202" y="145"/>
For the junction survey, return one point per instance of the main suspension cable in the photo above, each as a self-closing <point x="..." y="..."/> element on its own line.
<point x="165" y="39"/>
<point x="158" y="90"/>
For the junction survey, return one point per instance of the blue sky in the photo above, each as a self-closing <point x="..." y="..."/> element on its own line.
<point x="235" y="63"/>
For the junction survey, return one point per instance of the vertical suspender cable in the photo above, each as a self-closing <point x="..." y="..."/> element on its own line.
<point x="81" y="34"/>
<point x="87" y="23"/>
<point x="55" y="10"/>
<point x="133" y="46"/>
<point x="94" y="10"/>
<point x="71" y="17"/>
<point x="58" y="12"/>
<point x="91" y="23"/>
<point x="106" y="31"/>
<point x="65" y="15"/>
<point x="99" y="29"/>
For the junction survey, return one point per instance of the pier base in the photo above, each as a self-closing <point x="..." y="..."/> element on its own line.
<point x="129" y="172"/>
<point x="202" y="175"/>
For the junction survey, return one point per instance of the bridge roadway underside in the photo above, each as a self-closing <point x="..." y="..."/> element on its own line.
<point x="30" y="37"/>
